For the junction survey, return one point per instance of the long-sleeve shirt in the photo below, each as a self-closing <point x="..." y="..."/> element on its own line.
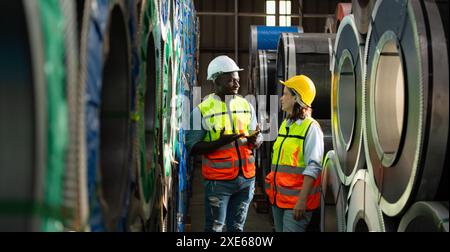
<point x="193" y="136"/>
<point x="313" y="149"/>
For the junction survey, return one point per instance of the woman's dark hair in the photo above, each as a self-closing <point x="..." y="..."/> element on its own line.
<point x="299" y="112"/>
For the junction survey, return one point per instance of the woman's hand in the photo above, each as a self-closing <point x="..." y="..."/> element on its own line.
<point x="299" y="209"/>
<point x="300" y="206"/>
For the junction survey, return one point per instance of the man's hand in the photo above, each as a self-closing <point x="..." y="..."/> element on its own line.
<point x="203" y="147"/>
<point x="252" y="138"/>
<point x="226" y="139"/>
<point x="299" y="209"/>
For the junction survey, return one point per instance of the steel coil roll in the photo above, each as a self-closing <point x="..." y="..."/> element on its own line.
<point x="75" y="158"/>
<point x="149" y="133"/>
<point x="342" y="10"/>
<point x="105" y="70"/>
<point x="133" y="222"/>
<point x="264" y="75"/>
<point x="267" y="37"/>
<point x="425" y="217"/>
<point x="33" y="131"/>
<point x="333" y="197"/>
<point x="163" y="9"/>
<point x="167" y="156"/>
<point x="133" y="10"/>
<point x="362" y="10"/>
<point x="347" y="100"/>
<point x="406" y="103"/>
<point x="307" y="54"/>
<point x="363" y="212"/>
<point x="264" y="38"/>
<point x="179" y="148"/>
<point x="325" y="125"/>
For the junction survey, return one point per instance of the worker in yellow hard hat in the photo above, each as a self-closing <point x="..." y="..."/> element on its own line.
<point x="294" y="180"/>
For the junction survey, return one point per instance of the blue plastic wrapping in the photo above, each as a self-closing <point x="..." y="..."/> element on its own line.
<point x="97" y="27"/>
<point x="268" y="36"/>
<point x="135" y="62"/>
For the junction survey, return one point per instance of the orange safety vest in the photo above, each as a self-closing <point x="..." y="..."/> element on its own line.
<point x="225" y="162"/>
<point x="285" y="180"/>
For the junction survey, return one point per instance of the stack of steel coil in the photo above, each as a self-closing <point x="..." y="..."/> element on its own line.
<point x="34" y="115"/>
<point x="167" y="74"/>
<point x="390" y="118"/>
<point x="96" y="145"/>
<point x="406" y="103"/>
<point x="262" y="66"/>
<point x="307" y="54"/>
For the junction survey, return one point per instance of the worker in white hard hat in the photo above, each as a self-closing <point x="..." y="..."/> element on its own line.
<point x="226" y="141"/>
<point x="293" y="183"/>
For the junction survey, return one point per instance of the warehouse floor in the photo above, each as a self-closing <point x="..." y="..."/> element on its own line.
<point x="256" y="222"/>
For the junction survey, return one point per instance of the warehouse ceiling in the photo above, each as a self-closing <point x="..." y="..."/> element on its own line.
<point x="217" y="29"/>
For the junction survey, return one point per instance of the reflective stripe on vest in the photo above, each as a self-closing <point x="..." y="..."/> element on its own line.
<point x="224" y="163"/>
<point x="288" y="169"/>
<point x="283" y="184"/>
<point x="292" y="192"/>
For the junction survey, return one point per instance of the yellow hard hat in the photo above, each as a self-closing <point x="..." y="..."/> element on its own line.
<point x="304" y="86"/>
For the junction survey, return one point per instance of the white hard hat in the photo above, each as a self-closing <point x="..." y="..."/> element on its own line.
<point x="220" y="65"/>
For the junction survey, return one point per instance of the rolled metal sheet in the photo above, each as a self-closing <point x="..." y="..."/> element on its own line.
<point x="363" y="213"/>
<point x="406" y="103"/>
<point x="325" y="125"/>
<point x="164" y="8"/>
<point x="72" y="203"/>
<point x="132" y="219"/>
<point x="264" y="38"/>
<point x="179" y="147"/>
<point x="23" y="127"/>
<point x="149" y="101"/>
<point x="264" y="74"/>
<point x="362" y="10"/>
<point x="34" y="197"/>
<point x="105" y="69"/>
<point x="81" y="218"/>
<point x="347" y="100"/>
<point x="443" y="192"/>
<point x="167" y="154"/>
<point x="425" y="216"/>
<point x="52" y="21"/>
<point x="342" y="10"/>
<point x="333" y="197"/>
<point x="133" y="14"/>
<point x="307" y="54"/>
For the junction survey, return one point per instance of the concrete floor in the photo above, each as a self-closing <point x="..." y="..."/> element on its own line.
<point x="256" y="222"/>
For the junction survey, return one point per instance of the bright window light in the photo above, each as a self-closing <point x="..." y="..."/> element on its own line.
<point x="270" y="7"/>
<point x="270" y="20"/>
<point x="284" y="10"/>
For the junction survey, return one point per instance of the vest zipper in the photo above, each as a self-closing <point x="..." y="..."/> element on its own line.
<point x="276" y="167"/>
<point x="235" y="141"/>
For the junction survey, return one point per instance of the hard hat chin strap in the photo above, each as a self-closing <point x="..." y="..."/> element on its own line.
<point x="298" y="99"/>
